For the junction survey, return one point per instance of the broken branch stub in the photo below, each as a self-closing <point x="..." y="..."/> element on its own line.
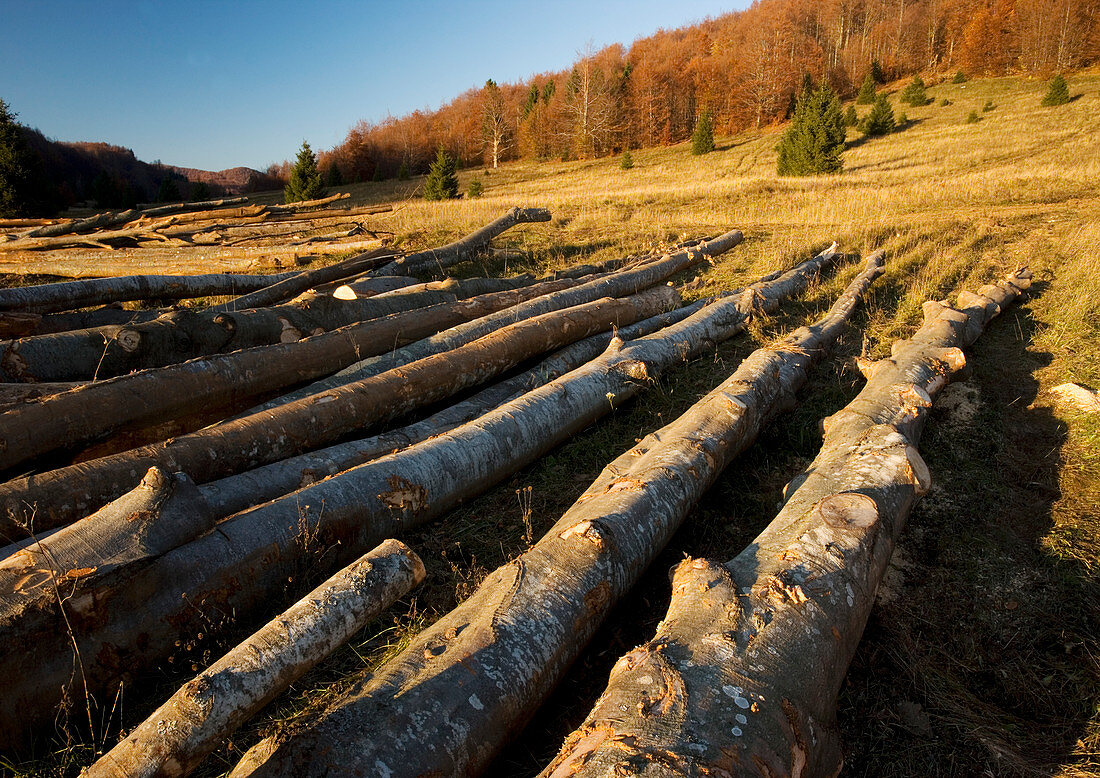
<point x="207" y="709"/>
<point x="743" y="673"/>
<point x="448" y="703"/>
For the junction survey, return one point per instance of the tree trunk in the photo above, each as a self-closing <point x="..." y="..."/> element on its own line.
<point x="182" y="732"/>
<point x="17" y="394"/>
<point x="303" y="205"/>
<point x="371" y="285"/>
<point x="743" y="674"/>
<point x="472" y="679"/>
<point x="156" y="396"/>
<point x="186" y="260"/>
<point x="70" y="295"/>
<point x="237" y="568"/>
<point x="473" y="245"/>
<point x="61" y="496"/>
<point x="614" y="284"/>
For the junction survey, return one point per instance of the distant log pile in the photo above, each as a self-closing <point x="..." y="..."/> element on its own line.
<point x="224" y="235"/>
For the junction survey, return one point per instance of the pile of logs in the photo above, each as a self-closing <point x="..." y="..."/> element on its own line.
<point x="229" y="235"/>
<point x="166" y="476"/>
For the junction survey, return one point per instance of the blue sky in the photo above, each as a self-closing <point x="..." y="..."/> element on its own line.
<point x="218" y="84"/>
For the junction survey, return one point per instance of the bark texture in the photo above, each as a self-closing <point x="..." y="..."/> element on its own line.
<point x="743" y="674"/>
<point x="237" y="568"/>
<point x="447" y="703"/>
<point x="156" y="396"/>
<point x="206" y="710"/>
<point x="473" y="245"/>
<point x="69" y="295"/>
<point x="63" y="495"/>
<point x="614" y="284"/>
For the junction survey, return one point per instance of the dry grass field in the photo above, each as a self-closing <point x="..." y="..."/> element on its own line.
<point x="982" y="656"/>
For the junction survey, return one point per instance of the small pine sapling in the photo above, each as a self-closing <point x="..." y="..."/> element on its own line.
<point x="442" y="181"/>
<point x="814" y="142"/>
<point x="960" y="78"/>
<point x="627" y="162"/>
<point x="973" y="118"/>
<point x="702" y="140"/>
<point x="851" y="118"/>
<point x="1057" y="92"/>
<point x="403" y="171"/>
<point x="475" y="188"/>
<point x="867" y="91"/>
<point x="989" y="106"/>
<point x="880" y="121"/>
<point x="305" y="178"/>
<point x="914" y="93"/>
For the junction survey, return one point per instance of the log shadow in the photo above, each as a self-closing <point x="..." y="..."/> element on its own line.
<point x="966" y="665"/>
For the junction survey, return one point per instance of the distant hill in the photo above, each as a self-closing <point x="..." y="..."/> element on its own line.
<point x="113" y="177"/>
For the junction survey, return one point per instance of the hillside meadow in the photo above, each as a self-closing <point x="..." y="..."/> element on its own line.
<point x="982" y="656"/>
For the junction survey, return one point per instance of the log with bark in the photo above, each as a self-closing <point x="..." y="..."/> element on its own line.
<point x="187" y="333"/>
<point x="70" y="295"/>
<point x="469" y="247"/>
<point x="63" y="495"/>
<point x="743" y="674"/>
<point x="450" y="701"/>
<point x="615" y="284"/>
<point x="206" y="710"/>
<point x="236" y="568"/>
<point x="227" y="381"/>
<point x="83" y="263"/>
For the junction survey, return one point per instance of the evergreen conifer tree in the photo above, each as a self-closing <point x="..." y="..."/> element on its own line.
<point x="168" y="191"/>
<point x="442" y="181"/>
<point x="960" y="78"/>
<point x="914" y="93"/>
<point x="867" y="91"/>
<point x="851" y="118"/>
<point x="815" y="140"/>
<point x="1057" y="92"/>
<point x="702" y="140"/>
<point x="199" y="192"/>
<point x="475" y="188"/>
<point x="403" y="171"/>
<point x="15" y="166"/>
<point x="627" y="162"/>
<point x="876" y="72"/>
<point x="305" y="178"/>
<point x="880" y="120"/>
<point x="334" y="178"/>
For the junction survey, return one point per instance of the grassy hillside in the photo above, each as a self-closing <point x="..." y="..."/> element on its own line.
<point x="983" y="654"/>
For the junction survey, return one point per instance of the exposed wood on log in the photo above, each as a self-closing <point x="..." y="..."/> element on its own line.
<point x="206" y="710"/>
<point x="371" y="285"/>
<point x="70" y="295"/>
<point x="469" y="247"/>
<point x="186" y="260"/>
<point x="60" y="496"/>
<point x="474" y="677"/>
<point x="235" y="568"/>
<point x="172" y="392"/>
<point x="615" y="284"/>
<point x="743" y="674"/>
<point x="99" y="221"/>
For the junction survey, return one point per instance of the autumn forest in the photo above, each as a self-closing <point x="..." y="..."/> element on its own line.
<point x="742" y="68"/>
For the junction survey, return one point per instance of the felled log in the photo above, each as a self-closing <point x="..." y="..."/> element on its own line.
<point x="615" y="284"/>
<point x="469" y="247"/>
<point x="187" y="333"/>
<point x="206" y="710"/>
<point x="371" y="285"/>
<point x="743" y="674"/>
<point x="236" y="568"/>
<point x="62" y="495"/>
<point x="70" y="295"/>
<point x="304" y="205"/>
<point x="180" y="390"/>
<point x="235" y="493"/>
<point x="141" y="230"/>
<point x="473" y="678"/>
<point x="88" y="224"/>
<point x="17" y="394"/>
<point x="201" y="205"/>
<point x="81" y="263"/>
<point x="295" y="285"/>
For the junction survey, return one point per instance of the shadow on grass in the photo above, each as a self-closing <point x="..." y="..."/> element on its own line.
<point x="972" y="662"/>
